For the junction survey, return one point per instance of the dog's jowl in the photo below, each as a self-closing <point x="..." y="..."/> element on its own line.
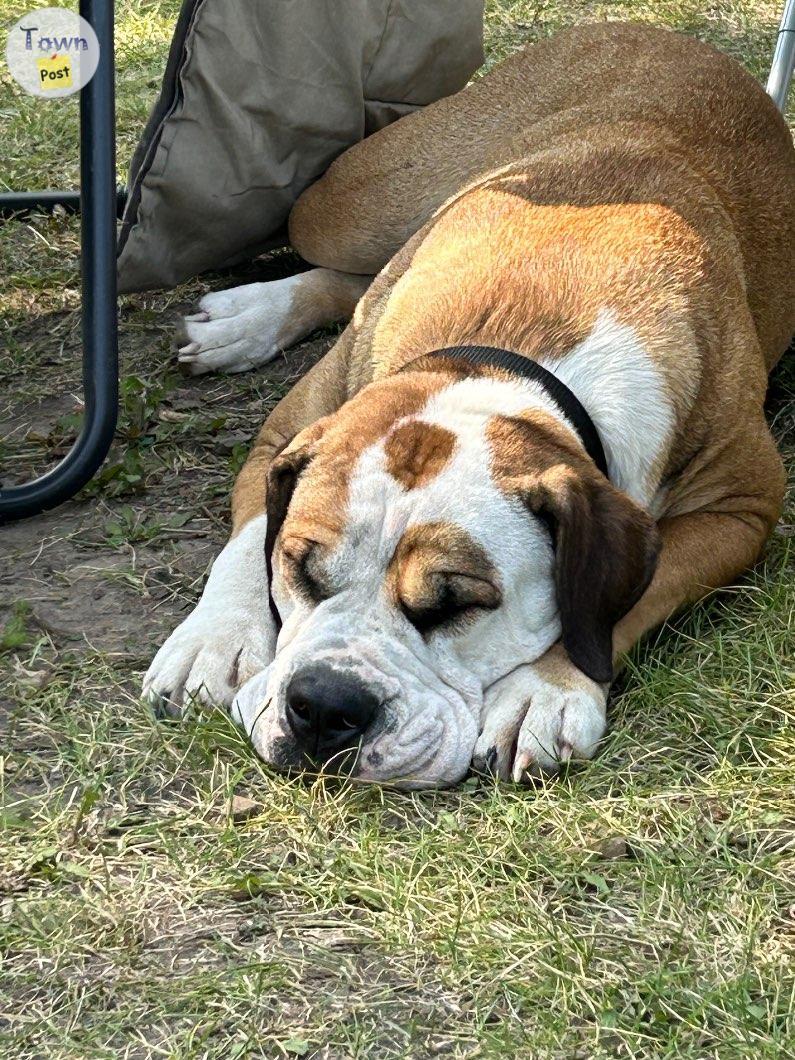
<point x="541" y="433"/>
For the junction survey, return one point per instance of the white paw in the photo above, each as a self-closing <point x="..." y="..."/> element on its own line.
<point x="207" y="658"/>
<point x="240" y="328"/>
<point x="538" y="717"/>
<point x="228" y="638"/>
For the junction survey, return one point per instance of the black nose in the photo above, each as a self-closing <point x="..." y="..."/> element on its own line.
<point x="327" y="710"/>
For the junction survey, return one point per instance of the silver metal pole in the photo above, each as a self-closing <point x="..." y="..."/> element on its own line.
<point x="783" y="64"/>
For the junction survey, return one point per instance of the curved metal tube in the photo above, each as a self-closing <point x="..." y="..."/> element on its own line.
<point x="98" y="203"/>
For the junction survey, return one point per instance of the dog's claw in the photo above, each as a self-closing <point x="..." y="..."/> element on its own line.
<point x="526" y="770"/>
<point x="188" y="352"/>
<point x="202" y="317"/>
<point x="163" y="708"/>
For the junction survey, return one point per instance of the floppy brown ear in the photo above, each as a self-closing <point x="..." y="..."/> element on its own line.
<point x="606" y="549"/>
<point x="283" y="474"/>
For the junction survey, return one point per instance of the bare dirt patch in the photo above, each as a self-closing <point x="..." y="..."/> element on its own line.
<point x="114" y="569"/>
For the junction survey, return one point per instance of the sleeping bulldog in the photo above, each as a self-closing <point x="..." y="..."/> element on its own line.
<point x="541" y="433"/>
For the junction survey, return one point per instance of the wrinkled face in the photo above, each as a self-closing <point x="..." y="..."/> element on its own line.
<point x="410" y="573"/>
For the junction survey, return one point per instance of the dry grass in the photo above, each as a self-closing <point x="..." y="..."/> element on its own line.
<point x="642" y="906"/>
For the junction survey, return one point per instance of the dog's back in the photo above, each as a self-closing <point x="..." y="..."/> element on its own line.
<point x="667" y="119"/>
<point x="602" y="114"/>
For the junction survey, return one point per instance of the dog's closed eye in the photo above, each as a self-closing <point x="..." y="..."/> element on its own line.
<point x="449" y="596"/>
<point x="303" y="568"/>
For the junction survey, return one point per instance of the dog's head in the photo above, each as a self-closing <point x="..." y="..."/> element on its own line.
<point x="437" y="532"/>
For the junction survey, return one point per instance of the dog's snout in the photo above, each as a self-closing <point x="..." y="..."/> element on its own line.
<point x="327" y="710"/>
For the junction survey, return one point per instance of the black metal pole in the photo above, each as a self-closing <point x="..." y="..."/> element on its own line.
<point x="98" y="202"/>
<point x="13" y="203"/>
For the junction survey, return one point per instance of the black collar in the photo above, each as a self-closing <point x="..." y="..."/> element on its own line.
<point x="516" y="364"/>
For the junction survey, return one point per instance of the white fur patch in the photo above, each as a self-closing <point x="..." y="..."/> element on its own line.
<point x="241" y="328"/>
<point x="228" y="637"/>
<point x="471" y="401"/>
<point x="622" y="390"/>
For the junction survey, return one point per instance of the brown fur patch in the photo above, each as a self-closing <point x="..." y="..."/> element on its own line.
<point x="318" y="508"/>
<point x="416" y="452"/>
<point x="534" y="441"/>
<point x="438" y="573"/>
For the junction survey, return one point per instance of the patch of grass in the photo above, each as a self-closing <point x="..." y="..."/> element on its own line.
<point x="641" y="906"/>
<point x="15" y="635"/>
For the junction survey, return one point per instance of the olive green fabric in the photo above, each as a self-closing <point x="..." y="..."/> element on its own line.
<point x="258" y="98"/>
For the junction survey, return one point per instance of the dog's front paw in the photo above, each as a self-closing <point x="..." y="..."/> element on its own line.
<point x="227" y="639"/>
<point x="238" y="329"/>
<point x="538" y="717"/>
<point x="207" y="658"/>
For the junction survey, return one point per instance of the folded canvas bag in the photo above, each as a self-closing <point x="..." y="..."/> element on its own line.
<point x="258" y="98"/>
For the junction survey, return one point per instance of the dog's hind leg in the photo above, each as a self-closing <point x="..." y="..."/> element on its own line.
<point x="349" y="223"/>
<point x="384" y="189"/>
<point x="244" y="327"/>
<point x="705" y="550"/>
